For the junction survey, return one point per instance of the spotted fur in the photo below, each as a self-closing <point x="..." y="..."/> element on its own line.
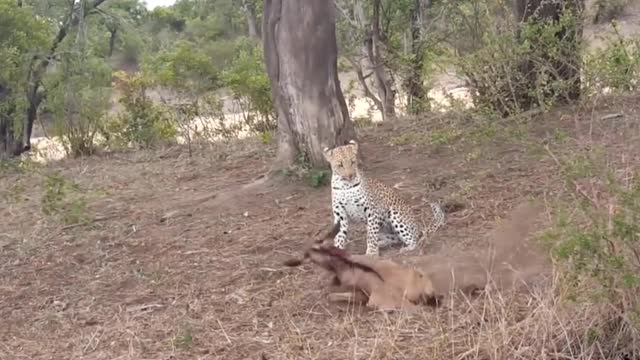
<point x="359" y="198"/>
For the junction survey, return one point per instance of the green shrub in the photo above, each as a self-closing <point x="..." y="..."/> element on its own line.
<point x="595" y="242"/>
<point x="22" y="34"/>
<point x="132" y="47"/>
<point x="524" y="68"/>
<point x="62" y="199"/>
<point x="616" y="66"/>
<point x="303" y="171"/>
<point x="249" y="84"/>
<point x="78" y="97"/>
<point x="142" y="123"/>
<point x="184" y="66"/>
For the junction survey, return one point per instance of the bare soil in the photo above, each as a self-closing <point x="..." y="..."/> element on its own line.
<point x="182" y="260"/>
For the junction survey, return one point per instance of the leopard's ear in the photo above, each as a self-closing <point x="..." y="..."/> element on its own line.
<point x="326" y="152"/>
<point x="354" y="144"/>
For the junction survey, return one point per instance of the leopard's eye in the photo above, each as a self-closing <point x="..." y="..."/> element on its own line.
<point x="339" y="164"/>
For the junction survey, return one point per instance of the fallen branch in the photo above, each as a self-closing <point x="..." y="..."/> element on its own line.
<point x="612" y="116"/>
<point x="94" y="220"/>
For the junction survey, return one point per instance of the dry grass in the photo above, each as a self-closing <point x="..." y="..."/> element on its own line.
<point x="179" y="260"/>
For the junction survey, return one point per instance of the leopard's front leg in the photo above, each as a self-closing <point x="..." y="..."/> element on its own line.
<point x="340" y="217"/>
<point x="374" y="224"/>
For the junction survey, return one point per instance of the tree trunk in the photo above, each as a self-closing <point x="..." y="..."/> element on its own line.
<point x="371" y="55"/>
<point x="568" y="69"/>
<point x="112" y="40"/>
<point x="383" y="78"/>
<point x="357" y="67"/>
<point x="9" y="145"/>
<point x="301" y="59"/>
<point x="416" y="94"/>
<point x="252" y="18"/>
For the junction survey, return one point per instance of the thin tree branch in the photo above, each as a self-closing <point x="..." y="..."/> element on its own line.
<point x="345" y="15"/>
<point x="363" y="83"/>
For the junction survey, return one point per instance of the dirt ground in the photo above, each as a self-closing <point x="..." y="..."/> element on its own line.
<point x="181" y="260"/>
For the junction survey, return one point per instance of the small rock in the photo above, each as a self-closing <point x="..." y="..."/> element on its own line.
<point x="59" y="305"/>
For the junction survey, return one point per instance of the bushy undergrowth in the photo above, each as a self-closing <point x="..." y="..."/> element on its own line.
<point x="616" y="66"/>
<point x="79" y="100"/>
<point x="250" y="87"/>
<point x="193" y="111"/>
<point x="595" y="244"/>
<point x="63" y="200"/>
<point x="143" y="123"/>
<point x="513" y="66"/>
<point x="520" y="65"/>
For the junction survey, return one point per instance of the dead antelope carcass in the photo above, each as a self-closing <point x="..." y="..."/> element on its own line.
<point x="382" y="284"/>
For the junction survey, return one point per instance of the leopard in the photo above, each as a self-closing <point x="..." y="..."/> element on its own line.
<point x="362" y="199"/>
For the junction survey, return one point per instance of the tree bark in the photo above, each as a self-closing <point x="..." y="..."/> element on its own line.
<point x="8" y="144"/>
<point x="383" y="78"/>
<point x="362" y="79"/>
<point x="416" y="94"/>
<point x="252" y="18"/>
<point x="364" y="59"/>
<point x="113" y="32"/>
<point x="568" y="69"/>
<point x="301" y="58"/>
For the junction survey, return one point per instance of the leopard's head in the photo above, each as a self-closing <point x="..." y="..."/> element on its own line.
<point x="344" y="161"/>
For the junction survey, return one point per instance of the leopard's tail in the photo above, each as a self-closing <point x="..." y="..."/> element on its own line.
<point x="438" y="218"/>
<point x="439" y="214"/>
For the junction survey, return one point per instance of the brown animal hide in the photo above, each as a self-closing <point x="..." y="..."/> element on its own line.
<point x="382" y="284"/>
